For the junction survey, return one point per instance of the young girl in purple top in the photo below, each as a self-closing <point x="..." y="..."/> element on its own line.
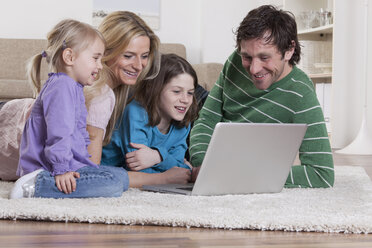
<point x="54" y="161"/>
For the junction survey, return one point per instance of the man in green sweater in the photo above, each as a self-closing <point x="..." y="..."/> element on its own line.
<point x="260" y="83"/>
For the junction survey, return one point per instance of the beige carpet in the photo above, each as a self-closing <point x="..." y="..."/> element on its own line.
<point x="347" y="207"/>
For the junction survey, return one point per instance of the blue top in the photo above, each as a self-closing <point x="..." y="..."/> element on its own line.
<point x="134" y="128"/>
<point x="55" y="136"/>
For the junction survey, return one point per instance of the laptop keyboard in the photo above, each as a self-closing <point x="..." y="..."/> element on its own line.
<point x="189" y="188"/>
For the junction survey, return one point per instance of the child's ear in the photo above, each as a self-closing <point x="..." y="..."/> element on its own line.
<point x="68" y="56"/>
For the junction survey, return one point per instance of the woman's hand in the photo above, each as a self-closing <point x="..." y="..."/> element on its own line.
<point x="66" y="182"/>
<point x="173" y="175"/>
<point x="176" y="175"/>
<point x="144" y="157"/>
<point x="194" y="173"/>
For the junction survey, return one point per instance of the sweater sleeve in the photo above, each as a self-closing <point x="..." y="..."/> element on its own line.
<point x="59" y="112"/>
<point x="316" y="169"/>
<point x="175" y="155"/>
<point x="137" y="130"/>
<point x="209" y="116"/>
<point x="134" y="127"/>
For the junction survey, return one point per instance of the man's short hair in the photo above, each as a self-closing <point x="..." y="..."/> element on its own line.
<point x="277" y="26"/>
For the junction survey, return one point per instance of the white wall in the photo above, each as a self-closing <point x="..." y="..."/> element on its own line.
<point x="205" y="27"/>
<point x="33" y="19"/>
<point x="349" y="71"/>
<point x="180" y="23"/>
<point x="219" y="21"/>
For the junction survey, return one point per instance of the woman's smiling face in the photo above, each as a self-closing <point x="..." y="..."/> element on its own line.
<point x="130" y="63"/>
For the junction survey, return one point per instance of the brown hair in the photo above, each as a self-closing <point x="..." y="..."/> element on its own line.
<point x="277" y="27"/>
<point x="148" y="92"/>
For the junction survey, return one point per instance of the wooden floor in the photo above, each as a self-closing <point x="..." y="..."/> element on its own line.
<point x="52" y="234"/>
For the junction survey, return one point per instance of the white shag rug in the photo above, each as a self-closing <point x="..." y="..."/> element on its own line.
<point x="347" y="207"/>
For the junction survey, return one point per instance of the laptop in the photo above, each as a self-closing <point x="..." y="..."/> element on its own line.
<point x="244" y="158"/>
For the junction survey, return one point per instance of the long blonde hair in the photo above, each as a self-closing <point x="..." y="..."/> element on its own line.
<point x="118" y="29"/>
<point x="67" y="33"/>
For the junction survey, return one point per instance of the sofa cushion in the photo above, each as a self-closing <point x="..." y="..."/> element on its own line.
<point x="16" y="52"/>
<point x="175" y="48"/>
<point x="11" y="89"/>
<point x="13" y="116"/>
<point x="14" y="55"/>
<point x="208" y="74"/>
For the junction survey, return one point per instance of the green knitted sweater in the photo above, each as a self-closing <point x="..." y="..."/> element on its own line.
<point x="234" y="98"/>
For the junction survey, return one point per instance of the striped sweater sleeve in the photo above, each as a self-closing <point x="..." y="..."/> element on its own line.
<point x="316" y="169"/>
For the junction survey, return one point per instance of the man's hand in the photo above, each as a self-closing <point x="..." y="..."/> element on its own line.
<point x="143" y="158"/>
<point x="66" y="182"/>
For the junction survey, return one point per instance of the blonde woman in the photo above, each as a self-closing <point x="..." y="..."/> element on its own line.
<point x="131" y="56"/>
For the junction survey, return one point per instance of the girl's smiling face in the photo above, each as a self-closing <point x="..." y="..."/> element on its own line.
<point x="87" y="63"/>
<point x="175" y="100"/>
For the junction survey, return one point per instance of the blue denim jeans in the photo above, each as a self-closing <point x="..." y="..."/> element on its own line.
<point x="106" y="181"/>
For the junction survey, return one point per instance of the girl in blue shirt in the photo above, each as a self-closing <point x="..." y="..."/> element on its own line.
<point x="152" y="135"/>
<point x="54" y="160"/>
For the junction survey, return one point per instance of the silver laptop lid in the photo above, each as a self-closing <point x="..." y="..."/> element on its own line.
<point x="247" y="158"/>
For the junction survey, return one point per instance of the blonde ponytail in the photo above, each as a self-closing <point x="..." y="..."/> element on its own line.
<point x="33" y="73"/>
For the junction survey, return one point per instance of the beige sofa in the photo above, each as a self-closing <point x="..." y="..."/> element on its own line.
<point x="15" y="53"/>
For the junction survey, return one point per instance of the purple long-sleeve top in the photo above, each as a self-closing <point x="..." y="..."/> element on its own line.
<point x="55" y="136"/>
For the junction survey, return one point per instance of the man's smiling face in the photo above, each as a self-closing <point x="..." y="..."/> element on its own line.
<point x="264" y="62"/>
